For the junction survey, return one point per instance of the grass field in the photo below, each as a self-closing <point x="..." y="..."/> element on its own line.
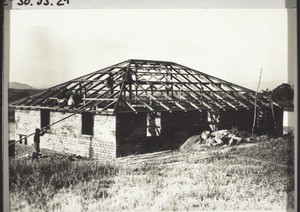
<point x="256" y="176"/>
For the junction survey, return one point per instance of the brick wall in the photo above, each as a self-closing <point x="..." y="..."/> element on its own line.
<point x="26" y="122"/>
<point x="66" y="136"/>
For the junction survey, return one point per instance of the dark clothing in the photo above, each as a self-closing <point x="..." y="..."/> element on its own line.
<point x="36" y="143"/>
<point x="129" y="79"/>
<point x="37" y="140"/>
<point x="36" y="146"/>
<point x="110" y="82"/>
<point x="77" y="99"/>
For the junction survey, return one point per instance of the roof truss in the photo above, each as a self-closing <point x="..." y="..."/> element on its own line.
<point x="146" y="86"/>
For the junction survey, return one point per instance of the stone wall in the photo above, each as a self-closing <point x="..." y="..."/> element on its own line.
<point x="66" y="136"/>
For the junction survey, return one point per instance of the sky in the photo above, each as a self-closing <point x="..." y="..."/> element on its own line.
<point x="48" y="47"/>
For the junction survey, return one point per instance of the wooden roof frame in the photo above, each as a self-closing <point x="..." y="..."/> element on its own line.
<point x="147" y="86"/>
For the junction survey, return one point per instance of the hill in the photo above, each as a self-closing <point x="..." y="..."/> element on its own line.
<point x="18" y="94"/>
<point x="17" y="85"/>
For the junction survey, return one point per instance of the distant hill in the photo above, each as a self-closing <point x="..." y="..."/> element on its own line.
<point x="17" y="94"/>
<point x="17" y="85"/>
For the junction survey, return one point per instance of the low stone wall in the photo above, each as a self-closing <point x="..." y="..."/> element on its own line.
<point x="66" y="137"/>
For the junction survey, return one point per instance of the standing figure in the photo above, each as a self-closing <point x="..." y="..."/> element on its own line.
<point x="71" y="101"/>
<point x="36" y="143"/>
<point x="61" y="98"/>
<point x="77" y="98"/>
<point x="110" y="82"/>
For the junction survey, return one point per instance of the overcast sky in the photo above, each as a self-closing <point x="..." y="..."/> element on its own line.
<point x="48" y="47"/>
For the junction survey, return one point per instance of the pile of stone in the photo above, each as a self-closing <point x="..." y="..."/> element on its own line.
<point x="216" y="138"/>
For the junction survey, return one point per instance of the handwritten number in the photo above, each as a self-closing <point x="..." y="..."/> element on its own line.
<point x="60" y="3"/>
<point x="20" y="3"/>
<point x="39" y="2"/>
<point x="46" y="3"/>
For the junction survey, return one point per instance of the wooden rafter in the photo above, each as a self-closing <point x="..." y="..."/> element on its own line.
<point x="156" y="85"/>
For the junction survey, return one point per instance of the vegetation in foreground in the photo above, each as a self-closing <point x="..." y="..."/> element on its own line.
<point x="253" y="177"/>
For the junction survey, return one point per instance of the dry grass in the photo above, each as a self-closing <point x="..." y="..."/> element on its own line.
<point x="257" y="177"/>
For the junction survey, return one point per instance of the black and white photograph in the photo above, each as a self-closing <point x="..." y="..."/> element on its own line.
<point x="150" y="108"/>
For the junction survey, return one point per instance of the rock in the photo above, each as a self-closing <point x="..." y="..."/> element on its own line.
<point x="205" y="135"/>
<point x="190" y="142"/>
<point x="219" y="141"/>
<point x="210" y="141"/>
<point x="250" y="139"/>
<point x="221" y="136"/>
<point x="234" y="140"/>
<point x="231" y="135"/>
<point x="238" y="139"/>
<point x="220" y="133"/>
<point x="231" y="141"/>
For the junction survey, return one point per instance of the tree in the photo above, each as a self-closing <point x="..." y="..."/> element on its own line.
<point x="283" y="93"/>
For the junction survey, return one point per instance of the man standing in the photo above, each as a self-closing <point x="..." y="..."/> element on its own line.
<point x="36" y="143"/>
<point x="110" y="83"/>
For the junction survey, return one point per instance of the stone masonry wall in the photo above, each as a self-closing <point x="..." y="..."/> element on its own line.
<point x="66" y="136"/>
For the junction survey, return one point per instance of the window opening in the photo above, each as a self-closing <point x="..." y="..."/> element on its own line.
<point x="21" y="139"/>
<point x="45" y="119"/>
<point x="87" y="123"/>
<point x="213" y="119"/>
<point x="153" y="124"/>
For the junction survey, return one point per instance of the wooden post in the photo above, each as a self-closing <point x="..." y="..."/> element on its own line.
<point x="255" y="105"/>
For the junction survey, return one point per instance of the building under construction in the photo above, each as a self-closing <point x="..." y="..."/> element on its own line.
<point x="140" y="106"/>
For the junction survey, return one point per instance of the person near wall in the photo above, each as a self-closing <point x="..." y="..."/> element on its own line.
<point x="61" y="98"/>
<point x="36" y="143"/>
<point x="77" y="99"/>
<point x="110" y="82"/>
<point x="71" y="101"/>
<point x="129" y="79"/>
